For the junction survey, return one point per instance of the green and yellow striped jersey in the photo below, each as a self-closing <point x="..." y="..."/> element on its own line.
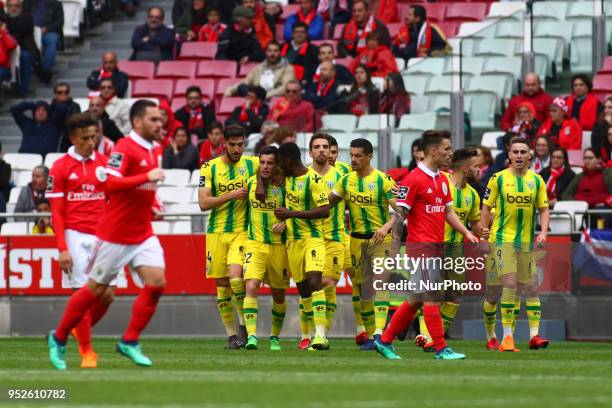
<point x="342" y="167"/>
<point x="334" y="224"/>
<point x="515" y="199"/>
<point x="466" y="204"/>
<point x="304" y="193"/>
<point x="261" y="215"/>
<point x="368" y="199"/>
<point x="222" y="178"/>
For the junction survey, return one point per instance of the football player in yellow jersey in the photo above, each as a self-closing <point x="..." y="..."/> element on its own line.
<point x="368" y="193"/>
<point x="361" y="335"/>
<point x="516" y="193"/>
<point x="307" y="207"/>
<point x="223" y="191"/>
<point x="265" y="257"/>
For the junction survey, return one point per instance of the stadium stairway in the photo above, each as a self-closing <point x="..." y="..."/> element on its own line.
<point x="76" y="62"/>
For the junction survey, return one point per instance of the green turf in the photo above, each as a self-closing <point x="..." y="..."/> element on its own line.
<point x="200" y="372"/>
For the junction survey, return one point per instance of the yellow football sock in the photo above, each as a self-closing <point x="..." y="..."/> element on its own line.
<point x="381" y="310"/>
<point x="250" y="315"/>
<point x="306" y="317"/>
<point x="534" y="314"/>
<point x="278" y="317"/>
<point x="319" y="310"/>
<point x="330" y="301"/>
<point x="359" y="327"/>
<point x="489" y="311"/>
<point x="367" y="315"/>
<point x="238" y="288"/>
<point x="508" y="299"/>
<point x="226" y="309"/>
<point x="423" y="326"/>
<point x="517" y="311"/>
<point x="448" y="311"/>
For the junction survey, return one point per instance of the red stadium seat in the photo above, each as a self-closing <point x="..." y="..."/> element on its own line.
<point x="607" y="66"/>
<point x="575" y="157"/>
<point x="176" y="69"/>
<point x="466" y="11"/>
<point x="279" y="33"/>
<point x="450" y="28"/>
<point x="243" y="70"/>
<point x="435" y="11"/>
<point x="217" y="69"/>
<point x="196" y="51"/>
<point x="344" y="61"/>
<point x="394" y="28"/>
<point x="225" y="83"/>
<point x="138" y="69"/>
<point x="288" y="10"/>
<point x="177" y="103"/>
<point x="338" y="31"/>
<point x="602" y="82"/>
<point x="228" y="103"/>
<point x="154" y="88"/>
<point x="206" y="85"/>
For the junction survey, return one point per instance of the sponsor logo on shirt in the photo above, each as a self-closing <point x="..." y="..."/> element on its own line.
<point x="202" y="181"/>
<point x="361" y="199"/>
<point x="223" y="188"/>
<point x="267" y="205"/>
<point x="444" y="188"/>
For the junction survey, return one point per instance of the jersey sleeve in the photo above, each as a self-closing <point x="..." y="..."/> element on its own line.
<point x="255" y="161"/>
<point x="55" y="182"/>
<point x="318" y="191"/>
<point x="407" y="193"/>
<point x="491" y="193"/>
<point x="205" y="174"/>
<point x="340" y="187"/>
<point x="118" y="161"/>
<point x="542" y="195"/>
<point x="388" y="186"/>
<point x="474" y="214"/>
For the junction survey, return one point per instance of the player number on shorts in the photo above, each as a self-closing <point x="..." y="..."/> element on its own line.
<point x="247" y="258"/>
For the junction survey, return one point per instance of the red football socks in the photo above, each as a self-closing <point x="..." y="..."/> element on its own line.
<point x="433" y="320"/>
<point x="142" y="312"/>
<point x="97" y="312"/>
<point x="401" y="319"/>
<point x="77" y="307"/>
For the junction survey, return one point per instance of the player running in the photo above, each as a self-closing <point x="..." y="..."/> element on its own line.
<point x="223" y="182"/>
<point x="124" y="236"/>
<point x="76" y="189"/>
<point x="368" y="192"/>
<point x="516" y="193"/>
<point x="265" y="255"/>
<point x="307" y="206"/>
<point x="425" y="200"/>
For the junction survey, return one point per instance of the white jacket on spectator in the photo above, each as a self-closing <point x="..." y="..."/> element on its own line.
<point x="118" y="111"/>
<point x="271" y="78"/>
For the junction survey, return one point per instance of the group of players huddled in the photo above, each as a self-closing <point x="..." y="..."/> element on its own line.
<point x="272" y="218"/>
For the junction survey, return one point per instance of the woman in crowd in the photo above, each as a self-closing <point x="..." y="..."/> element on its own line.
<point x="583" y="105"/>
<point x="213" y="145"/>
<point x="594" y="184"/>
<point x="558" y="175"/>
<point x="606" y="149"/>
<point x="604" y="122"/>
<point x="284" y="134"/>
<point x="181" y="154"/>
<point x="192" y="20"/>
<point x="561" y="128"/>
<point x="363" y="97"/>
<point x="542" y="147"/>
<point x="395" y="100"/>
<point x="524" y="122"/>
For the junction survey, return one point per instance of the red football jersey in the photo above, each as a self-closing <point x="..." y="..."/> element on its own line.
<point x="79" y="183"/>
<point x="426" y="194"/>
<point x="127" y="219"/>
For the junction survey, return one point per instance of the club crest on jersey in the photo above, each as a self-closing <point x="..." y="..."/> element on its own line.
<point x="300" y="185"/>
<point x="371" y="186"/>
<point x="101" y="174"/>
<point x="530" y="185"/>
<point x="115" y="160"/>
<point x="468" y="201"/>
<point x="276" y="192"/>
<point x="242" y="171"/>
<point x="330" y="184"/>
<point x="444" y="188"/>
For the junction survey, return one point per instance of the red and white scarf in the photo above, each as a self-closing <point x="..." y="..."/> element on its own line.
<point x="244" y="116"/>
<point x="104" y="74"/>
<point x="324" y="90"/>
<point x="306" y="18"/>
<point x="196" y="120"/>
<point x="551" y="183"/>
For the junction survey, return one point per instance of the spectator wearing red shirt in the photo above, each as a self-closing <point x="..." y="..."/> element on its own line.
<point x="211" y="31"/>
<point x="582" y="104"/>
<point x="395" y="100"/>
<point x="293" y="111"/>
<point x="192" y="20"/>
<point x="252" y="113"/>
<point x="213" y="146"/>
<point x="7" y="45"/>
<point x="262" y="22"/>
<point x="300" y="52"/>
<point x="594" y="184"/>
<point x="532" y="92"/>
<point x="363" y="98"/>
<point x="170" y="123"/>
<point x="197" y="114"/>
<point x="353" y="39"/>
<point x="378" y="58"/>
<point x="562" y="129"/>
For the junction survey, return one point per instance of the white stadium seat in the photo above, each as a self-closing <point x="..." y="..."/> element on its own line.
<point x="482" y="108"/>
<point x="580" y="10"/>
<point x="507" y="9"/>
<point x="23" y="161"/>
<point x="573" y="207"/>
<point x="181" y="227"/>
<point x="14" y="228"/>
<point x="23" y="179"/>
<point x="82" y="102"/>
<point x="430" y="66"/>
<point x="160" y="227"/>
<point x="419" y="104"/>
<point x="416" y="84"/>
<point x="50" y="158"/>
<point x="195" y="178"/>
<point x="73" y="16"/>
<point x="550" y="10"/>
<point x="176" y="177"/>
<point x="174" y="195"/>
<point x="489" y="139"/>
<point x="339" y="123"/>
<point x="374" y="122"/>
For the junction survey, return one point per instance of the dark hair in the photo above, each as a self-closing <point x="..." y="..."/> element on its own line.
<point x="368" y="85"/>
<point x="521" y="140"/>
<point x="398" y="84"/>
<point x="363" y="144"/>
<point x="548" y="142"/>
<point x="433" y="138"/>
<point x="269" y="150"/>
<point x="273" y="42"/>
<point x="332" y="141"/>
<point x="373" y="35"/>
<point x="213" y="10"/>
<point x="364" y="2"/>
<point x="486" y="153"/>
<point x="106" y="80"/>
<point x="419" y="11"/>
<point x="259" y="92"/>
<point x="460" y="156"/>
<point x="139" y="108"/>
<point x="234" y="131"/>
<point x="595" y="152"/>
<point x="193" y="88"/>
<point x="80" y="121"/>
<point x="563" y="150"/>
<point x="300" y="24"/>
<point x="328" y="45"/>
<point x="215" y="125"/>
<point x="161" y="10"/>
<point x="61" y="84"/>
<point x="584" y="78"/>
<point x="178" y="129"/>
<point x="42" y="200"/>
<point x="507" y="138"/>
<point x="318" y="135"/>
<point x="290" y="151"/>
<point x="282" y="132"/>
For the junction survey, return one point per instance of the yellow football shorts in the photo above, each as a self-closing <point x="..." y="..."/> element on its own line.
<point x="363" y="253"/>
<point x="305" y="255"/>
<point x="334" y="259"/>
<point x="508" y="259"/>
<point x="347" y="264"/>
<point x="223" y="249"/>
<point x="267" y="263"/>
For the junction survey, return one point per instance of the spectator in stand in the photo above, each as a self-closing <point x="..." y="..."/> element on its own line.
<point x="418" y="37"/>
<point x="562" y="129"/>
<point x="267" y="132"/>
<point x="5" y="177"/>
<point x="500" y="162"/>
<point x="211" y="31"/>
<point x="178" y="8"/>
<point x="109" y="69"/>
<point x="606" y="149"/>
<point x="300" y="52"/>
<point x="323" y="94"/>
<point x="326" y="53"/>
<point x="214" y="145"/>
<point x="252" y="113"/>
<point x="262" y="22"/>
<point x="61" y="96"/>
<point x="103" y="144"/>
<point x="35" y="190"/>
<point x="239" y="42"/>
<point x="41" y="132"/>
<point x="542" y="148"/>
<point x="363" y="97"/>
<point x="558" y="175"/>
<point x="532" y="92"/>
<point x="582" y="104"/>
<point x="197" y="114"/>
<point x="525" y="123"/>
<point x="395" y="100"/>
<point x="417" y="154"/>
<point x="226" y="7"/>
<point x="353" y="39"/>
<point x="272" y="74"/>
<point x="42" y="226"/>
<point x="97" y="106"/>
<point x="191" y="21"/>
<point x="308" y="15"/>
<point x="48" y="15"/>
<point x="181" y="154"/>
<point x="21" y="26"/>
<point x="284" y="134"/>
<point x="485" y="159"/>
<point x="170" y="123"/>
<point x="387" y="11"/>
<point x="336" y="11"/>
<point x="7" y="45"/>
<point x="153" y="41"/>
<point x="118" y="110"/>
<point x="378" y="58"/>
<point x="128" y="6"/>
<point x="600" y="130"/>
<point x="594" y="184"/>
<point x="293" y="111"/>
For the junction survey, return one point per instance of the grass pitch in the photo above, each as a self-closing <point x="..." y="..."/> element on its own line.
<point x="201" y="373"/>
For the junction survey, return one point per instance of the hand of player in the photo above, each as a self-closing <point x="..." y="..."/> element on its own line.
<point x="239" y="194"/>
<point x="395" y="192"/>
<point x="65" y="262"/>
<point x="380" y="235"/>
<point x="282" y="213"/>
<point x="485" y="233"/>
<point x="279" y="227"/>
<point x="472" y="238"/>
<point x="156" y="175"/>
<point x="541" y="239"/>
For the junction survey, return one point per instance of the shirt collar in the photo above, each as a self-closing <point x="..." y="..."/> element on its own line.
<point x="428" y="171"/>
<point x="72" y="153"/>
<point x="140" y="141"/>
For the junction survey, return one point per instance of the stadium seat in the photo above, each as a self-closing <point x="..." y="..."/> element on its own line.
<point x="552" y="48"/>
<point x="482" y="108"/>
<point x="180" y="227"/>
<point x="509" y="28"/>
<point x="507" y="9"/>
<point x="346" y="61"/>
<point x="50" y="158"/>
<point x="228" y="103"/>
<point x="416" y="84"/>
<point x="489" y="139"/>
<point x="575" y="157"/>
<point x="338" y="31"/>
<point x="406" y="138"/>
<point x="550" y="10"/>
<point x="252" y="140"/>
<point x="449" y="28"/>
<point x="193" y="196"/>
<point x="217" y="69"/>
<point x="586" y="139"/>
<point x="435" y="12"/>
<point x="581" y="58"/>
<point x="206" y="85"/>
<point x="23" y="161"/>
<point x="160" y="227"/>
<point x="573" y="207"/>
<point x="509" y="66"/>
<point x="194" y="180"/>
<point x="174" y="195"/>
<point x="23" y="178"/>
<point x="577" y="169"/>
<point x="196" y="51"/>
<point x="603" y="82"/>
<point x="177" y="103"/>
<point x="439" y="100"/>
<point x="12" y="201"/>
<point x="607" y="66"/>
<point x="138" y="69"/>
<point x="176" y="69"/>
<point x="560" y="224"/>
<point x="339" y="123"/>
<point x="498" y="47"/>
<point x="224" y="83"/>
<point x="394" y="28"/>
<point x="579" y="10"/>
<point x="417" y="121"/>
<point x="480" y="29"/>
<point x="552" y="29"/>
<point x="470" y="66"/>
<point x="176" y="177"/>
<point x="419" y="104"/>
<point x="82" y="102"/>
<point x="498" y="84"/>
<point x="466" y="12"/>
<point x="157" y="88"/>
<point x="440" y="84"/>
<point x="14" y="228"/>
<point x="430" y="66"/>
<point x="243" y="70"/>
<point x="374" y="123"/>
<point x="401" y="64"/>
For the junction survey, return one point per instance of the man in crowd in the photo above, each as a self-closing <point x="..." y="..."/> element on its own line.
<point x="418" y="37"/>
<point x="326" y="54"/>
<point x="153" y="41"/>
<point x="109" y="69"/>
<point x="61" y="96"/>
<point x="324" y="92"/>
<point x="300" y="52"/>
<point x="532" y="92"/>
<point x="197" y="114"/>
<point x="117" y="109"/>
<point x="35" y="190"/>
<point x="41" y="132"/>
<point x="293" y="111"/>
<point x="97" y="106"/>
<point x="239" y="42"/>
<point x="353" y="39"/>
<point x="21" y="26"/>
<point x="308" y="15"/>
<point x="48" y="15"/>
